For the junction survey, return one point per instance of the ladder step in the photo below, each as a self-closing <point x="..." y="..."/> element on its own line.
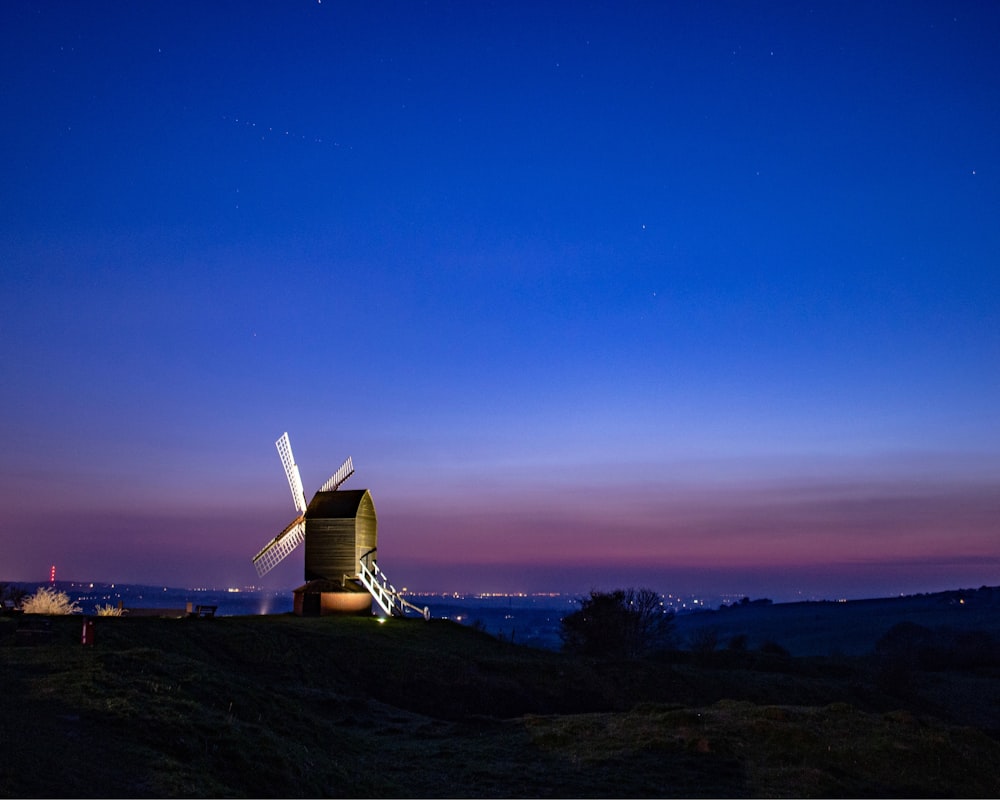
<point x="385" y="594"/>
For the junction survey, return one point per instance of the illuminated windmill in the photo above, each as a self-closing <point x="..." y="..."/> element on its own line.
<point x="340" y="532"/>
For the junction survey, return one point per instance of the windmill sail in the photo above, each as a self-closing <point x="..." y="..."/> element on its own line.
<point x="275" y="551"/>
<point x="338" y="477"/>
<point x="292" y="472"/>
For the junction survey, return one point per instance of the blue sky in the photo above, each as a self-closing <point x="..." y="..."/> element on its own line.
<point x="670" y="293"/>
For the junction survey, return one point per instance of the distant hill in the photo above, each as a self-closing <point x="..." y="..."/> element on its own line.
<point x="851" y="627"/>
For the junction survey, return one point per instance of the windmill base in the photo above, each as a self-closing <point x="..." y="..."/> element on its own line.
<point x="322" y="598"/>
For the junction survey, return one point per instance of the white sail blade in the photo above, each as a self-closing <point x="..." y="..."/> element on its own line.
<point x="338" y="477"/>
<point x="292" y="472"/>
<point x="275" y="551"/>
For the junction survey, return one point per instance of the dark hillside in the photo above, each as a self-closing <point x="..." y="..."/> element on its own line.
<point x="285" y="707"/>
<point x="844" y="628"/>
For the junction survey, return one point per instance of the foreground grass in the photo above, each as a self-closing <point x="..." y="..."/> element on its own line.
<point x="286" y="707"/>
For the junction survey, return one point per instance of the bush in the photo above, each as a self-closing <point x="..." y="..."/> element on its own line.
<point x="49" y="601"/>
<point x="625" y="623"/>
<point x="918" y="647"/>
<point x="703" y="644"/>
<point x="109" y="611"/>
<point x="774" y="649"/>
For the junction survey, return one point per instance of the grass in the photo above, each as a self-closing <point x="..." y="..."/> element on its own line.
<point x="346" y="707"/>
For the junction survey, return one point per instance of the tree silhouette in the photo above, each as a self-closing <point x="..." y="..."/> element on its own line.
<point x="625" y="623"/>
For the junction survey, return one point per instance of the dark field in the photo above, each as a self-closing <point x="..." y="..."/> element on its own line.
<point x="277" y="706"/>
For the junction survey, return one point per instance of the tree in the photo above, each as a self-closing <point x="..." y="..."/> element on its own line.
<point x="626" y="623"/>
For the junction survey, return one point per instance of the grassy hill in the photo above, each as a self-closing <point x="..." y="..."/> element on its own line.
<point x="278" y="706"/>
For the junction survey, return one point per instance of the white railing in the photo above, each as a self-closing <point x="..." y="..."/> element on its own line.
<point x="385" y="594"/>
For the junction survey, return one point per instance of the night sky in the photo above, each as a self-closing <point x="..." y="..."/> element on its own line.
<point x="698" y="296"/>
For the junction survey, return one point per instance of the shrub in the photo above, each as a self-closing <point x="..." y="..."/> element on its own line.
<point x="774" y="649"/>
<point x="704" y="641"/>
<point x="49" y="601"/>
<point x="625" y="623"/>
<point x="109" y="611"/>
<point x="917" y="647"/>
<point x="703" y="644"/>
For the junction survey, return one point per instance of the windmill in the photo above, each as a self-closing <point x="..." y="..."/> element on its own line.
<point x="339" y="529"/>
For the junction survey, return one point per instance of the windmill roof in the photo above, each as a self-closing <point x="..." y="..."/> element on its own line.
<point x="340" y="504"/>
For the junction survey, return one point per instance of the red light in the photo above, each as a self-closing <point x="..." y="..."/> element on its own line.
<point x="52" y="574"/>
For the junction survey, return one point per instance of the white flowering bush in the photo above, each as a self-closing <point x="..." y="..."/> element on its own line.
<point x="48" y="600"/>
<point x="109" y="611"/>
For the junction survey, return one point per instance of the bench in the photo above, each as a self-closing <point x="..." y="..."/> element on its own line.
<point x="8" y="607"/>
<point x="204" y="611"/>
